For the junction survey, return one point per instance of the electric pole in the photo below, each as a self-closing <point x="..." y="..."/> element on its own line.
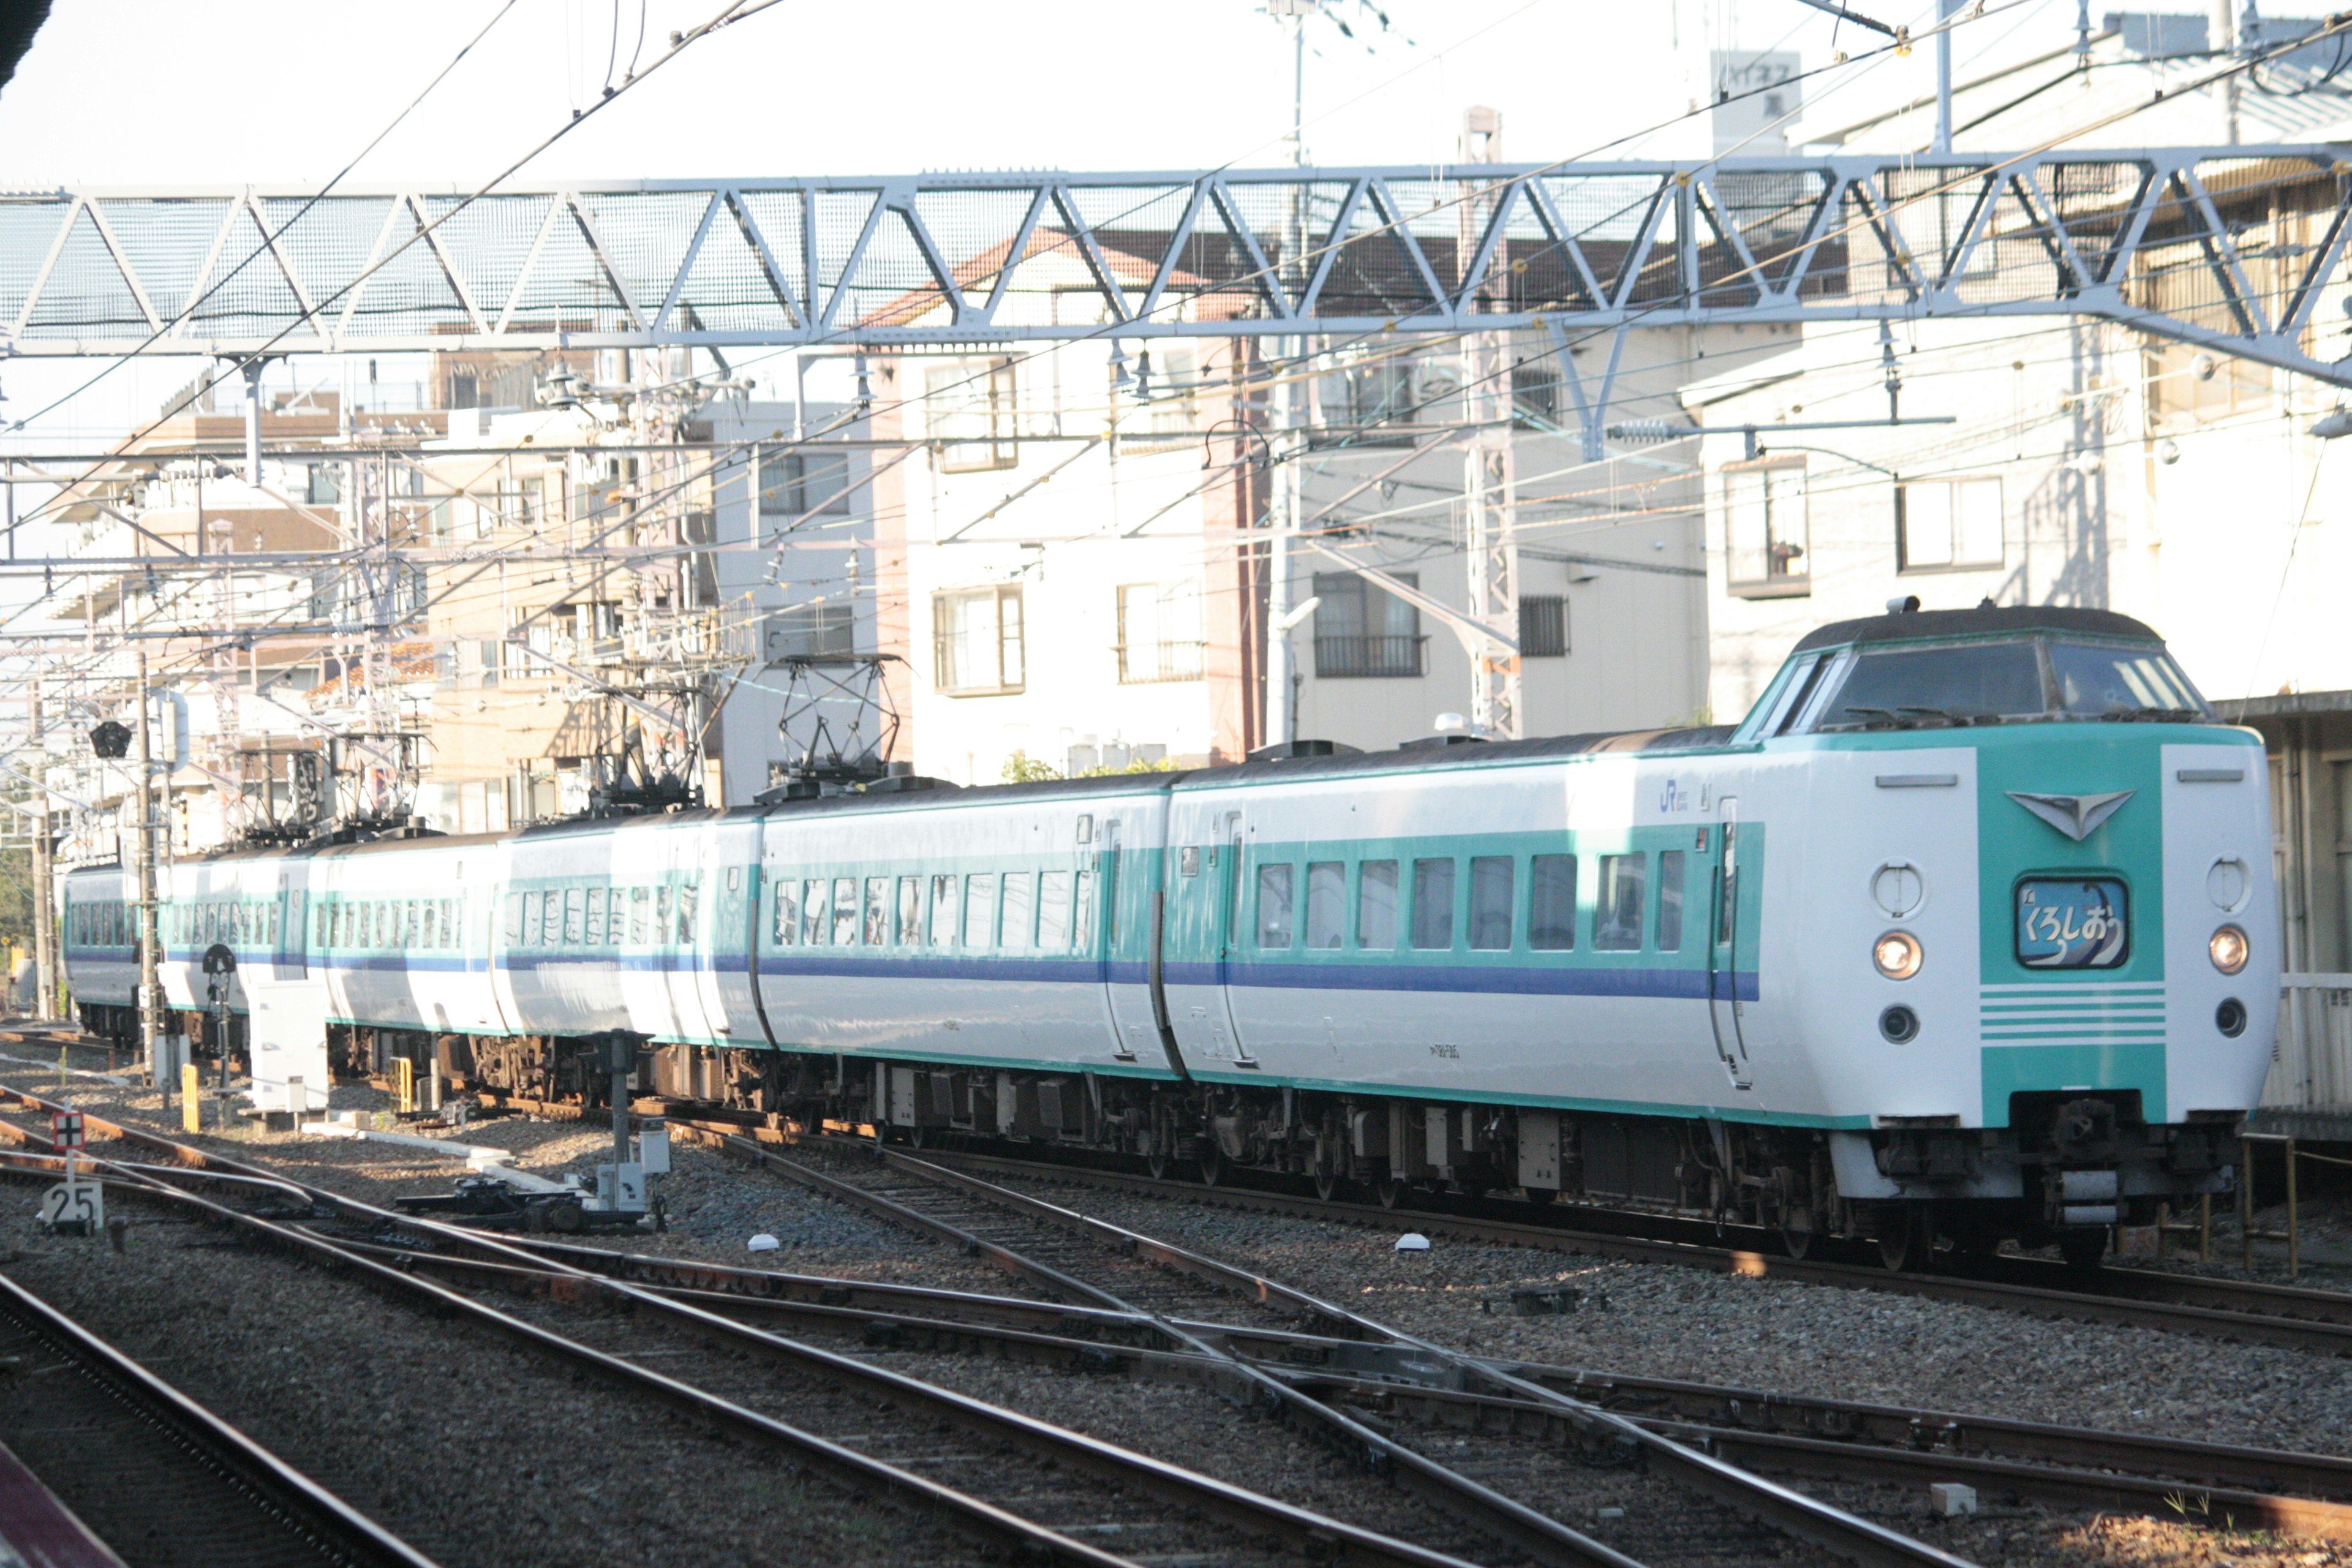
<point x="45" y="909"/>
<point x="1289" y="404"/>
<point x="143" y="861"/>
<point x="1488" y="502"/>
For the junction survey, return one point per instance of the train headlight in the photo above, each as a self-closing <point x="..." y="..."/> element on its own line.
<point x="1898" y="955"/>
<point x="2230" y="950"/>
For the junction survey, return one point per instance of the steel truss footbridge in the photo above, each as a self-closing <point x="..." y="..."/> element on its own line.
<point x="2239" y="250"/>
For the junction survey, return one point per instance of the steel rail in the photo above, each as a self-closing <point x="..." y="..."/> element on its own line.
<point x="2289" y="1317"/>
<point x="1325" y="1539"/>
<point x="1791" y="1512"/>
<point x="1833" y="1439"/>
<point x="1878" y="1443"/>
<point x="281" y="1501"/>
<point x="1545" y="1538"/>
<point x="1055" y="1325"/>
<point x="1895" y="1444"/>
<point x="1836" y="1440"/>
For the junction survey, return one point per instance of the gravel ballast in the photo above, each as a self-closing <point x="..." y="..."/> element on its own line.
<point x="1634" y="1319"/>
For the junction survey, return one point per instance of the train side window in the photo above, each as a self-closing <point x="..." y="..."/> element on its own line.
<point x="1491" y="879"/>
<point x="641" y="904"/>
<point x="815" y="897"/>
<point x="1670" y="901"/>
<point x="1019" y="909"/>
<point x="943" y="911"/>
<point x="1274" y="906"/>
<point x="788" y="911"/>
<point x="321" y="939"/>
<point x="910" y="911"/>
<point x="844" y="911"/>
<point x="1054" y="912"/>
<point x="1551" y="903"/>
<point x="1083" y="908"/>
<point x="877" y="912"/>
<point x="1327" y="903"/>
<point x="514" y="918"/>
<point x="1617" y="917"/>
<point x="664" y="896"/>
<point x="595" y="929"/>
<point x="1433" y="905"/>
<point x="1376" y="906"/>
<point x="532" y="909"/>
<point x="979" y="910"/>
<point x="575" y="916"/>
<point x="431" y="935"/>
<point x="689" y="899"/>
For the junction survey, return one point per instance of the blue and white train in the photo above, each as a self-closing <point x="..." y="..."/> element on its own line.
<point x="1966" y="931"/>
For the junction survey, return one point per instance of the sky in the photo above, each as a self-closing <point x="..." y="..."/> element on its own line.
<point x="147" y="94"/>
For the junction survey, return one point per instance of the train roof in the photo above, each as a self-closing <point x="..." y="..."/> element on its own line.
<point x="1984" y="621"/>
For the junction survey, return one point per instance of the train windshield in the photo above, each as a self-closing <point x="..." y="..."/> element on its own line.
<point x="1990" y="682"/>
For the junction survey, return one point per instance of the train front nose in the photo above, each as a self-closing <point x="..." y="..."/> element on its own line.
<point x="2129" y="961"/>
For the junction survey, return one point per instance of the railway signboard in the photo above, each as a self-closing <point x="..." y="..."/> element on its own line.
<point x="66" y="1130"/>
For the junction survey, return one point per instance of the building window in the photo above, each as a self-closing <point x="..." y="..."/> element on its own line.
<point x="323" y="484"/>
<point x="1948" y="526"/>
<point x="1159" y="632"/>
<point x="812" y="631"/>
<point x="976" y="640"/>
<point x="1543" y="625"/>
<point x="1377" y="400"/>
<point x="798" y="484"/>
<point x="1765" y="545"/>
<point x="972" y="412"/>
<point x="1361" y="632"/>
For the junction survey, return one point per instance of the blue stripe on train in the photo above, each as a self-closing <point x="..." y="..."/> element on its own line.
<point x="1502" y="980"/>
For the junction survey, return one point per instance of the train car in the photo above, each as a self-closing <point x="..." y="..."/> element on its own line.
<point x="1966" y="931"/>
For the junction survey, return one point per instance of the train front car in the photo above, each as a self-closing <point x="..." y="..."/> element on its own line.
<point x="2029" y="936"/>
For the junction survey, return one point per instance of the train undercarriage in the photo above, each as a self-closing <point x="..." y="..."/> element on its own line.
<point x="2067" y="1170"/>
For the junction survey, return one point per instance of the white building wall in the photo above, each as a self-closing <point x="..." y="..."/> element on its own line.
<point x="2126" y="483"/>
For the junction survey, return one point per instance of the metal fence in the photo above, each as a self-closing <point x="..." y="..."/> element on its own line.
<point x="2311" y="1063"/>
<point x="1353" y="658"/>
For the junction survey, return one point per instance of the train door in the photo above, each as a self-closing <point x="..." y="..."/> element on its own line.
<point x="1235" y="922"/>
<point x="1725" y="945"/>
<point x="291" y="959"/>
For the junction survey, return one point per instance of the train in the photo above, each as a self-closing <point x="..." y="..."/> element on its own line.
<point x="1965" y="934"/>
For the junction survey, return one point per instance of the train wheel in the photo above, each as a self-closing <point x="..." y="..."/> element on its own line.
<point x="919" y="1136"/>
<point x="1326" y="1184"/>
<point x="1389" y="1190"/>
<point x="1906" y="1242"/>
<point x="1796" y="1242"/>
<point x="2082" y="1249"/>
<point x="1157" y="1163"/>
<point x="1212" y="1164"/>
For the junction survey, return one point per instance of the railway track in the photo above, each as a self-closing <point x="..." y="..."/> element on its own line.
<point x="1041" y="1492"/>
<point x="161" y="1480"/>
<point x="1079" y="1259"/>
<point x="1083" y="1338"/>
<point x="2306" y="1494"/>
<point x="2244" y="1311"/>
<point x="1493" y="1527"/>
<point x="1160" y="1320"/>
<point x="1820" y="1440"/>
